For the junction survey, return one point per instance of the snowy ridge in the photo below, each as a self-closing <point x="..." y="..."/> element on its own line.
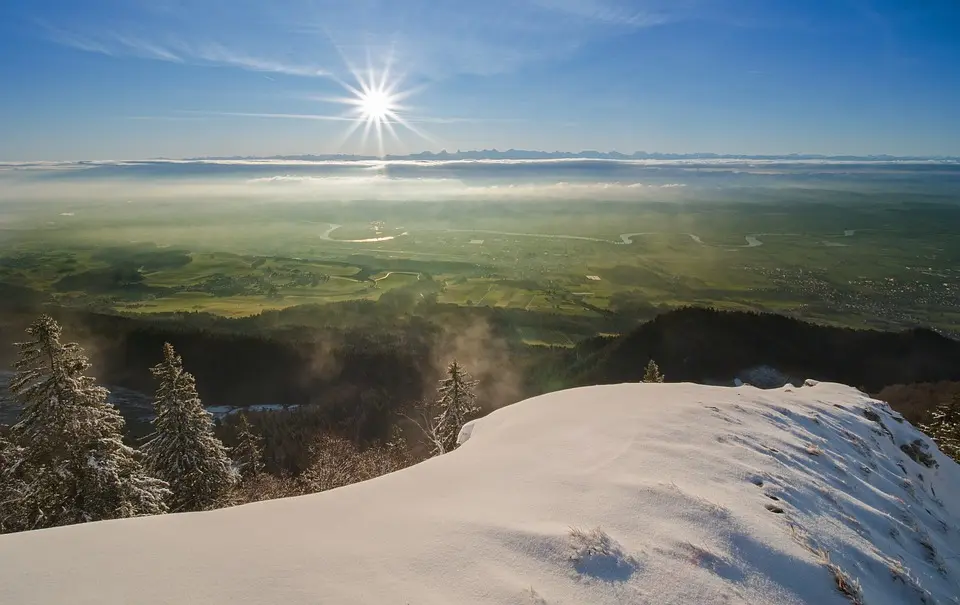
<point x="635" y="493"/>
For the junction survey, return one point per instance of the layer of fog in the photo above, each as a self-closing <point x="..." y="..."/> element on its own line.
<point x="402" y="180"/>
<point x="303" y="188"/>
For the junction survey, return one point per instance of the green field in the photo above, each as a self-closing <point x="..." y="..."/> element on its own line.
<point x="858" y="264"/>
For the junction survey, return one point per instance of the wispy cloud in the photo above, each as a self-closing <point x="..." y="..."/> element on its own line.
<point x="275" y="116"/>
<point x="217" y="54"/>
<point x="613" y="12"/>
<point x="175" y="50"/>
<point x="310" y="38"/>
<point x="76" y="41"/>
<point x="461" y="120"/>
<point x="427" y="38"/>
<point x="144" y="48"/>
<point x="202" y="114"/>
<point x="316" y="37"/>
<point x="162" y="118"/>
<point x="619" y="15"/>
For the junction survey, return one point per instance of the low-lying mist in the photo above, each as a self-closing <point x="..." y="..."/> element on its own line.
<point x="432" y="180"/>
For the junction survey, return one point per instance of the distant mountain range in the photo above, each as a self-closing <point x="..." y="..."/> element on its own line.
<point x="524" y="154"/>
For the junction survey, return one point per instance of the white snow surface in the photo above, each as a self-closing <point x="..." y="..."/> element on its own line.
<point x="678" y="494"/>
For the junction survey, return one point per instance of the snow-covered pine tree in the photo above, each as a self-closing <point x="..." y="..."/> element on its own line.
<point x="652" y="372"/>
<point x="75" y="463"/>
<point x="456" y="404"/>
<point x="248" y="453"/>
<point x="183" y="451"/>
<point x="943" y="427"/>
<point x="13" y="488"/>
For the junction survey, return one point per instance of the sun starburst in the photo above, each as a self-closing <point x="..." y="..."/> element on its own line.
<point x="375" y="104"/>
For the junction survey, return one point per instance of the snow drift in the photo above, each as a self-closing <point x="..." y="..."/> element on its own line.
<point x="635" y="493"/>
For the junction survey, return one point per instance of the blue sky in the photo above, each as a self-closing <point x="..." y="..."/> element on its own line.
<point x="103" y="79"/>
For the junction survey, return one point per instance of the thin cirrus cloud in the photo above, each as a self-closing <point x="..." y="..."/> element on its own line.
<point x="174" y="50"/>
<point x="432" y="39"/>
<point x="271" y="116"/>
<point x="217" y="54"/>
<point x="315" y="117"/>
<point x="488" y="38"/>
<point x="613" y="12"/>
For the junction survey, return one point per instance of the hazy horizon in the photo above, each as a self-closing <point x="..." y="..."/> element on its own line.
<point x="493" y="154"/>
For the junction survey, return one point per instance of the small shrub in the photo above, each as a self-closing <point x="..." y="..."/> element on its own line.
<point x="336" y="462"/>
<point x="598" y="555"/>
<point x="263" y="486"/>
<point x="847" y="586"/>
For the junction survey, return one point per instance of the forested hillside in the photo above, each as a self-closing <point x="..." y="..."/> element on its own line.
<point x="702" y="345"/>
<point x="359" y="377"/>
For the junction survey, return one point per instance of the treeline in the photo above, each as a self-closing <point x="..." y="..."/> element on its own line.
<point x="326" y="358"/>
<point x="703" y="345"/>
<point x="65" y="460"/>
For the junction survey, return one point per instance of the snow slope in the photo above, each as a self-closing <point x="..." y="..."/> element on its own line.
<point x="701" y="495"/>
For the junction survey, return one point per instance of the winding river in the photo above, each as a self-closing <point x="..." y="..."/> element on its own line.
<point x="752" y="241"/>
<point x="543" y="235"/>
<point x="333" y="227"/>
<point x="389" y="273"/>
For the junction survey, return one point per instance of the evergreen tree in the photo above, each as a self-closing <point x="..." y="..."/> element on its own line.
<point x="944" y="427"/>
<point x="652" y="372"/>
<point x="248" y="454"/>
<point x="456" y="404"/>
<point x="13" y="487"/>
<point x="75" y="463"/>
<point x="183" y="451"/>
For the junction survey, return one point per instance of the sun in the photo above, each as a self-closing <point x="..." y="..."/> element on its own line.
<point x="375" y="104"/>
